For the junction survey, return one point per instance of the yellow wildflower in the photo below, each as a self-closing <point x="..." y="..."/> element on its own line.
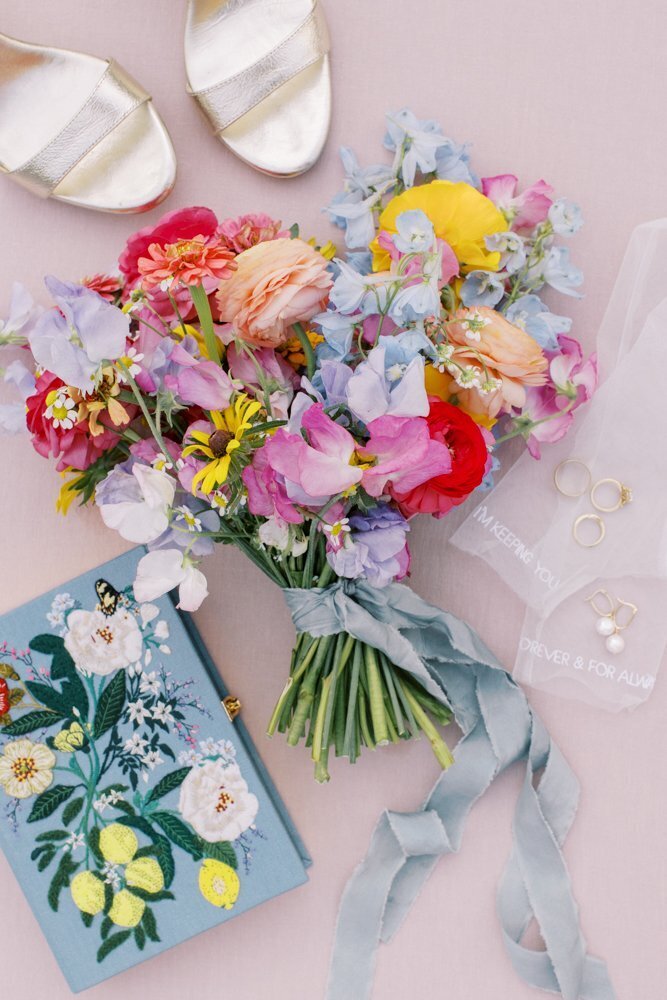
<point x="219" y="445"/>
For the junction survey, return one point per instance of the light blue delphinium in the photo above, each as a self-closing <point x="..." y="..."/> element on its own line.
<point x="414" y="143"/>
<point x="415" y="232"/>
<point x="530" y="314"/>
<point x="337" y="331"/>
<point x="482" y="288"/>
<point x="559" y="272"/>
<point x="565" y="217"/>
<point x="512" y="250"/>
<point x="352" y="209"/>
<point x="453" y="163"/>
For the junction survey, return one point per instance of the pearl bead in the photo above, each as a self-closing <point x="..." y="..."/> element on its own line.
<point x="605" y="626"/>
<point x="615" y="643"/>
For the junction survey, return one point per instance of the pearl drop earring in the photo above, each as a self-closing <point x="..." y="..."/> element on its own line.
<point x="609" y="624"/>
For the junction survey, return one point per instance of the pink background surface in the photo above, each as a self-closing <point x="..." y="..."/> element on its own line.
<point x="570" y="91"/>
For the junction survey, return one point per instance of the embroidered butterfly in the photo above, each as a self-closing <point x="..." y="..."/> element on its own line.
<point x="108" y="597"/>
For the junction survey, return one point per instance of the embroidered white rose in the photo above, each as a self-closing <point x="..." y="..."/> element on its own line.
<point x="101" y="644"/>
<point x="26" y="768"/>
<point x="216" y="802"/>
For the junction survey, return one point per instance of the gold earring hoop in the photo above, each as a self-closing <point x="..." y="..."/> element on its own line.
<point x="624" y="495"/>
<point x="576" y="528"/>
<point x="632" y="609"/>
<point x="558" y="477"/>
<point x="604" y="612"/>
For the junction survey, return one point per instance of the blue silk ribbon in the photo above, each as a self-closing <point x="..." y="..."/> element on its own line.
<point x="499" y="729"/>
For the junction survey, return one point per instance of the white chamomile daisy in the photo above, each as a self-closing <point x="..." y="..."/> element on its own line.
<point x="61" y="409"/>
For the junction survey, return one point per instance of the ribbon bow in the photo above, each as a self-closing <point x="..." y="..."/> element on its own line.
<point x="499" y="728"/>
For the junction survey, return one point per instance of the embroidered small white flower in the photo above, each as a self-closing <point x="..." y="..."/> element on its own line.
<point x="189" y="758"/>
<point x="137" y="711"/>
<point x="101" y="644"/>
<point x="226" y="748"/>
<point x="150" y="683"/>
<point x="107" y="799"/>
<point x="216" y="802"/>
<point x="74" y="842"/>
<point x="111" y="875"/>
<point x="163" y="712"/>
<point x="209" y="747"/>
<point x="147" y="612"/>
<point x="135" y="745"/>
<point x="152" y="759"/>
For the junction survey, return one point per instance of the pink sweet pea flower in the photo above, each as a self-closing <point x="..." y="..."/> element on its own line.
<point x="522" y="211"/>
<point x="201" y="383"/>
<point x="267" y="496"/>
<point x="572" y="381"/>
<point x="405" y="453"/>
<point x="319" y="469"/>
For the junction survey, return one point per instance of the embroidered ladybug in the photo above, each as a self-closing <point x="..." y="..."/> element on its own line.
<point x="4" y="697"/>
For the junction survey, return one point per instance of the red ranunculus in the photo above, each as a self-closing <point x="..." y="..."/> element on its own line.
<point x="464" y="438"/>
<point x="4" y="697"/>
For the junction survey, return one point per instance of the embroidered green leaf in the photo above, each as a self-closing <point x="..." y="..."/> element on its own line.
<point x="115" y="941"/>
<point x="87" y="918"/>
<point x="72" y="810"/>
<point x="116" y="787"/>
<point x="94" y="842"/>
<point x="52" y="645"/>
<point x="221" y="851"/>
<point x="28" y="723"/>
<point x="50" y="698"/>
<point x="63" y="669"/>
<point x="7" y="671"/>
<point x="16" y="696"/>
<point x="139" y="937"/>
<point x="48" y="801"/>
<point x="178" y="833"/>
<point x="151" y="897"/>
<point x="107" y="924"/>
<point x="125" y="807"/>
<point x="51" y="835"/>
<point x="138" y="823"/>
<point x="110" y="705"/>
<point x="60" y="880"/>
<point x="168" y="784"/>
<point x="108" y="897"/>
<point x="46" y="858"/>
<point x="149" y="925"/>
<point x="165" y="858"/>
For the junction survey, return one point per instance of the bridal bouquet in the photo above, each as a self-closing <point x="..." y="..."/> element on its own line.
<point x="235" y="383"/>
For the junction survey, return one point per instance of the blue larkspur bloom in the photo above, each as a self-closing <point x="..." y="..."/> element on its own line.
<point x="565" y="217"/>
<point x="559" y="272"/>
<point x="453" y="163"/>
<point x="482" y="288"/>
<point x="415" y="233"/>
<point x="417" y="142"/>
<point x="530" y="314"/>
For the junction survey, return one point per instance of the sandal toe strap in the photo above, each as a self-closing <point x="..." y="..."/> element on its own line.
<point x="115" y="96"/>
<point x="229" y="100"/>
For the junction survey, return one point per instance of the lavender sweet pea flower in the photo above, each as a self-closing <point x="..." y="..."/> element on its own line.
<point x="530" y="314"/>
<point x="482" y="288"/>
<point x="23" y="314"/>
<point x="372" y="546"/>
<point x="12" y="415"/>
<point x="188" y="529"/>
<point x="74" y="339"/>
<point x="135" y="500"/>
<point x="373" y="392"/>
<point x="337" y="331"/>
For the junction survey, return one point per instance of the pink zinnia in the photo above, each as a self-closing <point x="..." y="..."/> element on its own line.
<point x="187" y="262"/>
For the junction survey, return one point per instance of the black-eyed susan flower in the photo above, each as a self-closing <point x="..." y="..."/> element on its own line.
<point x="218" y="445"/>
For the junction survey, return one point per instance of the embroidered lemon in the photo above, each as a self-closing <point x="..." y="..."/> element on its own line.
<point x="88" y="892"/>
<point x="126" y="909"/>
<point x="118" y="844"/>
<point x="219" y="883"/>
<point x="146" y="874"/>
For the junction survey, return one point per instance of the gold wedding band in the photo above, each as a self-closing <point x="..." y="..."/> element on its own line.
<point x="588" y="517"/>
<point x="624" y="495"/>
<point x="559" y="468"/>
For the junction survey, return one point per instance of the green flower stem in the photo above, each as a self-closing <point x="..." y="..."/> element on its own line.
<point x="291" y="685"/>
<point x="393" y="698"/>
<point x="307" y="349"/>
<point x="363" y="721"/>
<point x="138" y="395"/>
<point x="440" y="749"/>
<point x="350" y="724"/>
<point x="203" y="307"/>
<point x="376" y="697"/>
<point x="304" y="702"/>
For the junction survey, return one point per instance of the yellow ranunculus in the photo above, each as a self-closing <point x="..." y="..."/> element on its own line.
<point x="118" y="843"/>
<point x="70" y="740"/>
<point x="126" y="909"/>
<point x="461" y="216"/>
<point x="88" y="892"/>
<point x="219" y="883"/>
<point x="145" y="873"/>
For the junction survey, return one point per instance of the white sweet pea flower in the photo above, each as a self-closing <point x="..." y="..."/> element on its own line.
<point x="136" y="503"/>
<point x="161" y="571"/>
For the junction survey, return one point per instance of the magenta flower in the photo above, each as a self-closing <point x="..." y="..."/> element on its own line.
<point x="522" y="211"/>
<point x="201" y="383"/>
<point x="319" y="469"/>
<point x="572" y="381"/>
<point x="267" y="496"/>
<point x="405" y="454"/>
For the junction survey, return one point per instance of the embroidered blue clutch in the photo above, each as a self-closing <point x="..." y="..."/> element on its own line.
<point x="134" y="809"/>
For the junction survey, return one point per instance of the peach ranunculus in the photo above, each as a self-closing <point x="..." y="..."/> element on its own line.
<point x="276" y="284"/>
<point x="492" y="361"/>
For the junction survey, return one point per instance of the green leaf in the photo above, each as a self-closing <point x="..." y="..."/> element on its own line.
<point x="94" y="842"/>
<point x="149" y="925"/>
<point x="110" y="705"/>
<point x="51" y="835"/>
<point x="294" y="230"/>
<point x="87" y="918"/>
<point x="139" y="937"/>
<point x="138" y="823"/>
<point x="7" y="671"/>
<point x="115" y="941"/>
<point x="48" y="643"/>
<point x="72" y="810"/>
<point x="60" y="880"/>
<point x="28" y="723"/>
<point x="49" y="697"/>
<point x="165" y="858"/>
<point x="220" y="851"/>
<point x="108" y="897"/>
<point x="106" y="926"/>
<point x="125" y="807"/>
<point x="46" y="858"/>
<point x="16" y="697"/>
<point x="63" y="669"/>
<point x="48" y="801"/>
<point x="178" y="833"/>
<point x="168" y="784"/>
<point x="116" y="787"/>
